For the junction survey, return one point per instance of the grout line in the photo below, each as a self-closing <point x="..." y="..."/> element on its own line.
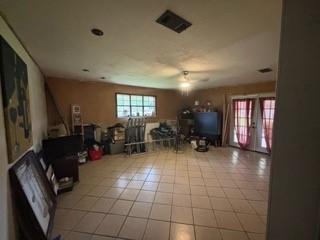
<point x="160" y="164"/>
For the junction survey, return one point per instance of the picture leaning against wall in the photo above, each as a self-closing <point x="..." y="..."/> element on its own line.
<point x="16" y="104"/>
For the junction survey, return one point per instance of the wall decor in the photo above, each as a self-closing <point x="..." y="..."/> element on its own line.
<point x="33" y="199"/>
<point x="16" y="103"/>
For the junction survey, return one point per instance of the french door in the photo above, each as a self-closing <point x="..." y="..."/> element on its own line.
<point x="252" y="122"/>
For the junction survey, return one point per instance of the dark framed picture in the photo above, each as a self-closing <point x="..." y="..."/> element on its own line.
<point x="34" y="200"/>
<point x="16" y="103"/>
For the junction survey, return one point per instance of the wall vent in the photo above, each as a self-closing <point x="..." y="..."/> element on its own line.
<point x="173" y="21"/>
<point x="265" y="70"/>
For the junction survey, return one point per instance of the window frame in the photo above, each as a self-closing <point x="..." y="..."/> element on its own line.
<point x="135" y="94"/>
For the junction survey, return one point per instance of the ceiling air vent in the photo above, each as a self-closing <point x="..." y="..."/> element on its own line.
<point x="265" y="70"/>
<point x="173" y="21"/>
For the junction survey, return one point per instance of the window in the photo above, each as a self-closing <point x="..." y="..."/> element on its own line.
<point x="129" y="105"/>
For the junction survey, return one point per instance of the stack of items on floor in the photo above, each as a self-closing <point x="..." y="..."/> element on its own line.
<point x="91" y="142"/>
<point x="163" y="132"/>
<point x="113" y="139"/>
<point x="200" y="144"/>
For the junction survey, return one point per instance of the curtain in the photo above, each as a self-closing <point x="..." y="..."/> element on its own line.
<point x="243" y="110"/>
<point x="267" y="107"/>
<point x="226" y="123"/>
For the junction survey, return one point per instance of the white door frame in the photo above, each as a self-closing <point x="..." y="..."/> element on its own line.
<point x="254" y="146"/>
<point x="231" y="132"/>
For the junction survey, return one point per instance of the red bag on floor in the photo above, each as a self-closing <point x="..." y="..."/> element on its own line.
<point x="95" y="153"/>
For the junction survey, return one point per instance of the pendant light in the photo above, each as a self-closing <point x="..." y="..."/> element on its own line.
<point x="186" y="85"/>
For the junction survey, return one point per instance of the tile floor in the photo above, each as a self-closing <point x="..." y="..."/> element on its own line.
<point x="221" y="194"/>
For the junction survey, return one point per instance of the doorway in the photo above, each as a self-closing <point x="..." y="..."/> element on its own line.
<point x="252" y="122"/>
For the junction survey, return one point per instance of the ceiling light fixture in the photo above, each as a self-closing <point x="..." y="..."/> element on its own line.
<point x="97" y="32"/>
<point x="186" y="85"/>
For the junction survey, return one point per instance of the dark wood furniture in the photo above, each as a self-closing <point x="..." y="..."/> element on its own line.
<point x="62" y="154"/>
<point x="66" y="166"/>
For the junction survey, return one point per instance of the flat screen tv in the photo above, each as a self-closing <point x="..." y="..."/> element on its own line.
<point x="207" y="124"/>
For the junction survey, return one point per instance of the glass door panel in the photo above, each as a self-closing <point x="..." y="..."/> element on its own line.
<point x="260" y="122"/>
<point x="243" y="120"/>
<point x="265" y="121"/>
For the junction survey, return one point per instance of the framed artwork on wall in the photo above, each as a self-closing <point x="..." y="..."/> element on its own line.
<point x="34" y="201"/>
<point x="16" y="102"/>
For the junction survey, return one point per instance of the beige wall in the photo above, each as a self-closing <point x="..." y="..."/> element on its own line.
<point x="218" y="96"/>
<point x="97" y="100"/>
<point x="39" y="129"/>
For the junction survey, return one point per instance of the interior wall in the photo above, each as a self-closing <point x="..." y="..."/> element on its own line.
<point x="294" y="203"/>
<point x="218" y="96"/>
<point x="39" y="129"/>
<point x="97" y="100"/>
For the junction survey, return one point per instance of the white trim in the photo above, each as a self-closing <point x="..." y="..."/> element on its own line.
<point x="257" y="95"/>
<point x="244" y="96"/>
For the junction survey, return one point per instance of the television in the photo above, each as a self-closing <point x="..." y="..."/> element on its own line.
<point x="207" y="124"/>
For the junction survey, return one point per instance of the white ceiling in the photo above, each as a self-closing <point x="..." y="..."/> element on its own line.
<point x="228" y="41"/>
